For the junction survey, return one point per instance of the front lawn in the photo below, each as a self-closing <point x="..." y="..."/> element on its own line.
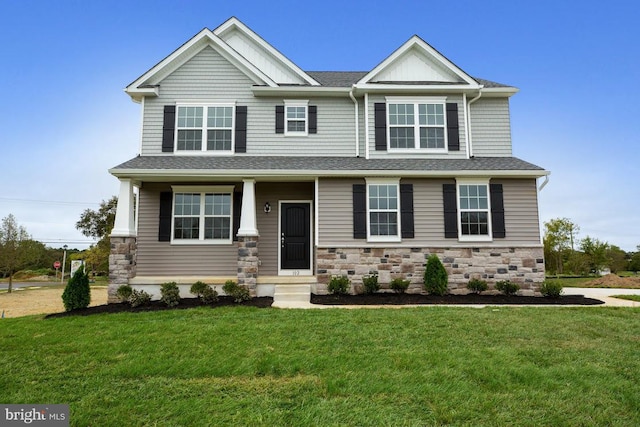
<point x="249" y="366"/>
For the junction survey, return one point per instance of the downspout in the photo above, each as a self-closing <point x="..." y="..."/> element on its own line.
<point x="366" y="125"/>
<point x="546" y="181"/>
<point x="357" y="113"/>
<point x="470" y="140"/>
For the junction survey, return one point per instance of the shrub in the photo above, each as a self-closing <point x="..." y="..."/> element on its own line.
<point x="77" y="293"/>
<point x="170" y="294"/>
<point x="339" y="285"/>
<point x="477" y="285"/>
<point x="371" y="285"/>
<point x="209" y="295"/>
<point x="139" y="298"/>
<point x="507" y="287"/>
<point x="435" y="276"/>
<point x="238" y="292"/>
<point x="551" y="289"/>
<point x="399" y="285"/>
<point x="124" y="293"/>
<point x="198" y="288"/>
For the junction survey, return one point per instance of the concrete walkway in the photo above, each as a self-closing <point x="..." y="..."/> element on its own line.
<point x="604" y="294"/>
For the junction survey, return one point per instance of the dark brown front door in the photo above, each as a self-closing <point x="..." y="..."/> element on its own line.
<point x="295" y="236"/>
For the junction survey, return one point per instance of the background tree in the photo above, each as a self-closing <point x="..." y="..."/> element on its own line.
<point x="17" y="250"/>
<point x="98" y="224"/>
<point x="596" y="253"/>
<point x="618" y="259"/>
<point x="634" y="263"/>
<point x="559" y="240"/>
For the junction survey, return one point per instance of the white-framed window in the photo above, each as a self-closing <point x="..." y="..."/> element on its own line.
<point x="296" y="117"/>
<point x="417" y="123"/>
<point x="205" y="128"/>
<point x="202" y="214"/>
<point x="383" y="210"/>
<point x="474" y="210"/>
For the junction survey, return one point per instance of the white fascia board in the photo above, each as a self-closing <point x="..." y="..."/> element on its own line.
<point x="391" y="88"/>
<point x="497" y="92"/>
<point x="235" y="23"/>
<point x="426" y="47"/>
<point x="270" y="174"/>
<point x="307" y="91"/>
<point x="204" y="38"/>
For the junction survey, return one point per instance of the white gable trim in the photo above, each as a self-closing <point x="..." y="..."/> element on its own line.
<point x="187" y="51"/>
<point x="235" y="24"/>
<point x="416" y="42"/>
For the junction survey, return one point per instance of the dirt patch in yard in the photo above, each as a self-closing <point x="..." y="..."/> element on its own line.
<point x="25" y="302"/>
<point x="614" y="281"/>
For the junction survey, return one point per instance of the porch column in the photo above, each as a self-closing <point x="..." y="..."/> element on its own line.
<point x="248" y="238"/>
<point x="122" y="259"/>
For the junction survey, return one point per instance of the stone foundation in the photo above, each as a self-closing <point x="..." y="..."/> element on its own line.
<point x="122" y="264"/>
<point x="524" y="266"/>
<point x="248" y="262"/>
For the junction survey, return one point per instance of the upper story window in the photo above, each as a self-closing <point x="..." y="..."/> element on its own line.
<point x="383" y="210"/>
<point x="205" y="128"/>
<point x="202" y="214"/>
<point x="296" y="117"/>
<point x="474" y="210"/>
<point x="417" y="123"/>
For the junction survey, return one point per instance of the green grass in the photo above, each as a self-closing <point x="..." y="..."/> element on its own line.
<point x="401" y="367"/>
<point x="628" y="297"/>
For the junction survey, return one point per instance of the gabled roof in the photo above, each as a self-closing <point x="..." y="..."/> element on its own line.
<point x="417" y="62"/>
<point x="249" y="44"/>
<point x="349" y="78"/>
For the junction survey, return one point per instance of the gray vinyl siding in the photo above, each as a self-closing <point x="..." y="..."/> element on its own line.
<point x="462" y="154"/>
<point x="210" y="78"/>
<point x="491" y="127"/>
<point x="156" y="258"/>
<point x="335" y="215"/>
<point x="269" y="242"/>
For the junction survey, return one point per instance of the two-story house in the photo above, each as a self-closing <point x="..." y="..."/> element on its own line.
<point x="254" y="170"/>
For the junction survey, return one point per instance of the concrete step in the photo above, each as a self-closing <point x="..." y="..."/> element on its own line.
<point x="293" y="289"/>
<point x="287" y="296"/>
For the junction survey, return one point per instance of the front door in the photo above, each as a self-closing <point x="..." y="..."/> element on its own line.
<point x="295" y="237"/>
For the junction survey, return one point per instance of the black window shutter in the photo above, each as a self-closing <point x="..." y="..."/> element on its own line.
<point x="406" y="210"/>
<point x="313" y="119"/>
<point x="237" y="209"/>
<point x="453" y="129"/>
<point x="241" y="129"/>
<point x="279" y="118"/>
<point x="359" y="211"/>
<point x="450" y="211"/>
<point x="166" y="205"/>
<point x="168" y="128"/>
<point x="380" y="121"/>
<point x="497" y="211"/>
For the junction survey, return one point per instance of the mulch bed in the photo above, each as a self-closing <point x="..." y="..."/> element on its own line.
<point x="260" y="302"/>
<point x="404" y="299"/>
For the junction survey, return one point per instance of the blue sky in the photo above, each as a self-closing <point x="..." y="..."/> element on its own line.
<point x="65" y="119"/>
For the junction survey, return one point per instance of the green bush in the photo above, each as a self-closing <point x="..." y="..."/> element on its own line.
<point x="170" y="294"/>
<point x="139" y="298"/>
<point x="339" y="285"/>
<point x="435" y="276"/>
<point x="238" y="292"/>
<point x="477" y="285"/>
<point x="77" y="293"/>
<point x="124" y="293"/>
<point x="507" y="287"/>
<point x="371" y="285"/>
<point x="399" y="285"/>
<point x="551" y="289"/>
<point x="209" y="295"/>
<point x="198" y="288"/>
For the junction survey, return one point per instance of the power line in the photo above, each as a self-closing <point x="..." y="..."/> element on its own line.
<point x="52" y="202"/>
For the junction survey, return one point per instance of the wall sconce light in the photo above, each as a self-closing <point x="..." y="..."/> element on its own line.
<point x="267" y="207"/>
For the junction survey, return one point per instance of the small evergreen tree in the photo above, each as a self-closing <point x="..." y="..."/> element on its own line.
<point x="435" y="276"/>
<point x="77" y="293"/>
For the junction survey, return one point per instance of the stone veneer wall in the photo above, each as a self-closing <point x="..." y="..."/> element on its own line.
<point x="248" y="262"/>
<point x="122" y="264"/>
<point x="524" y="266"/>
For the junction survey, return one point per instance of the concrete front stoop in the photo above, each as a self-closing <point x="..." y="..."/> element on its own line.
<point x="292" y="296"/>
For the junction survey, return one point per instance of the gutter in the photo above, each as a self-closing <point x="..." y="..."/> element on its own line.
<point x="469" y="134"/>
<point x="357" y="113"/>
